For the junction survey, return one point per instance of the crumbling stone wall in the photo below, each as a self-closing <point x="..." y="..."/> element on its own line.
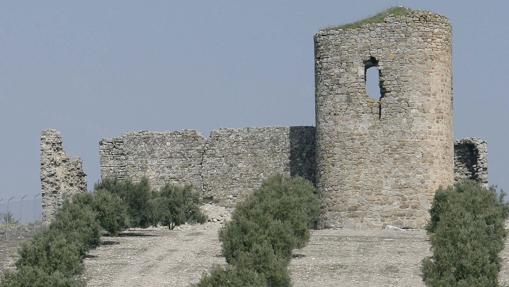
<point x="61" y="177"/>
<point x="374" y="161"/>
<point x="162" y="157"/>
<point x="380" y="161"/>
<point x="236" y="161"/>
<point x="471" y="160"/>
<point x="230" y="164"/>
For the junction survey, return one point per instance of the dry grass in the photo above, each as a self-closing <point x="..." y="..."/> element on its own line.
<point x="378" y="18"/>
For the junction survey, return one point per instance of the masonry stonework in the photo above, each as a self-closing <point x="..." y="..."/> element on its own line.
<point x="236" y="161"/>
<point x="471" y="160"/>
<point x="225" y="167"/>
<point x="61" y="177"/>
<point x="374" y="161"/>
<point x="380" y="161"/>
<point x="161" y="157"/>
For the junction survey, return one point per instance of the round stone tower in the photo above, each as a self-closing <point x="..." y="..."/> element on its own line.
<point x="379" y="161"/>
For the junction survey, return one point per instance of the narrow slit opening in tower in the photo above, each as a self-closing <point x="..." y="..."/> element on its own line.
<point x="374" y="87"/>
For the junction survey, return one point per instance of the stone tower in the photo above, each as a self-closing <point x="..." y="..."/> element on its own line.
<point x="61" y="176"/>
<point x="379" y="161"/>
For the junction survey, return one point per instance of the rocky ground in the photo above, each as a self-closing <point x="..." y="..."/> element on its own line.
<point x="342" y="257"/>
<point x="155" y="257"/>
<point x="158" y="256"/>
<point x="360" y="258"/>
<point x="11" y="236"/>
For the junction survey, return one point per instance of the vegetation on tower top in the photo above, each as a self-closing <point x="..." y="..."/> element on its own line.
<point x="377" y="18"/>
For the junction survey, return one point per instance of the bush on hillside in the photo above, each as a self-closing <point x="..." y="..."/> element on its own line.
<point x="467" y="234"/>
<point x="78" y="223"/>
<point x="84" y="199"/>
<point x="232" y="276"/>
<point x="175" y="205"/>
<point x="28" y="276"/>
<point x="263" y="260"/>
<point x="111" y="211"/>
<point x="51" y="251"/>
<point x="61" y="247"/>
<point x="244" y="231"/>
<point x="137" y="196"/>
<point x="263" y="231"/>
<point x="109" y="208"/>
<point x="55" y="255"/>
<point x="280" y="212"/>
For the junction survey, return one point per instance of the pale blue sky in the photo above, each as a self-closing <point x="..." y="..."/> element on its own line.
<point x="95" y="69"/>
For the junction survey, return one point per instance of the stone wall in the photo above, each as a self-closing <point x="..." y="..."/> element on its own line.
<point x="375" y="161"/>
<point x="162" y="157"/>
<point x="61" y="177"/>
<point x="379" y="161"/>
<point x="236" y="161"/>
<point x="471" y="160"/>
<point x="230" y="164"/>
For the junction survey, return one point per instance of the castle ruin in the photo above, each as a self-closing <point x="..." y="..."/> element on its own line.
<point x="374" y="161"/>
<point x="61" y="176"/>
<point x="380" y="161"/>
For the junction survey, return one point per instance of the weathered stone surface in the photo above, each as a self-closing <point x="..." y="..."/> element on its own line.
<point x="232" y="163"/>
<point x="236" y="161"/>
<point x="471" y="160"/>
<point x="61" y="177"/>
<point x="380" y="161"/>
<point x="162" y="157"/>
<point x="376" y="162"/>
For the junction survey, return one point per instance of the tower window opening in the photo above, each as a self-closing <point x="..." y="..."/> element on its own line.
<point x="374" y="87"/>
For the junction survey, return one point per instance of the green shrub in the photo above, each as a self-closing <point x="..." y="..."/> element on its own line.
<point x="111" y="211"/>
<point x="62" y="246"/>
<point x="78" y="223"/>
<point x="467" y="234"/>
<point x="84" y="199"/>
<point x="137" y="196"/>
<point x="243" y="232"/>
<point x="28" y="276"/>
<point x="263" y="260"/>
<point x="51" y="251"/>
<point x="175" y="205"/>
<point x="232" y="276"/>
<point x="264" y="229"/>
<point x="280" y="212"/>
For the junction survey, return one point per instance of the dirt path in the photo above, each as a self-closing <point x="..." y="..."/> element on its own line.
<point x="160" y="257"/>
<point x="360" y="258"/>
<point x="155" y="257"/>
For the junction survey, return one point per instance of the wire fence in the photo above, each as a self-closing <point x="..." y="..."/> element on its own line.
<point x="20" y="216"/>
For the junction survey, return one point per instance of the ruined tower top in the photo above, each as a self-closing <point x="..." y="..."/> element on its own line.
<point x="392" y="15"/>
<point x="381" y="158"/>
<point x="61" y="176"/>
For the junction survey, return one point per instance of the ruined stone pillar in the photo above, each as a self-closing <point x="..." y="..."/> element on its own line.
<point x="61" y="177"/>
<point x="380" y="161"/>
<point x="471" y="160"/>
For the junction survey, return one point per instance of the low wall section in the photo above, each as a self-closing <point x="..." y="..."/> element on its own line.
<point x="162" y="157"/>
<point x="233" y="162"/>
<point x="471" y="160"/>
<point x="225" y="167"/>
